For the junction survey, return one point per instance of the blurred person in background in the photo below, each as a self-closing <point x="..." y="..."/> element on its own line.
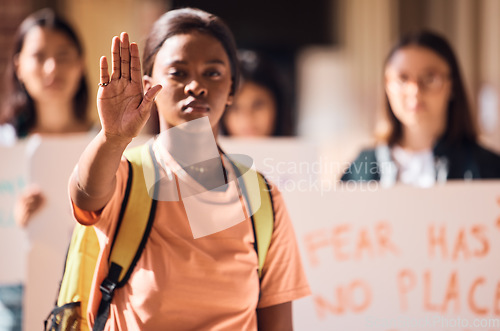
<point x="431" y="136"/>
<point x="261" y="105"/>
<point x="47" y="94"/>
<point x="47" y="88"/>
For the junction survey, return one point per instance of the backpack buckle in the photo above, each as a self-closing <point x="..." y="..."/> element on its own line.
<point x="107" y="289"/>
<point x="110" y="283"/>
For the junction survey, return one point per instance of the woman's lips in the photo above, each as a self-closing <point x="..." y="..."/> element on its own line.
<point x="195" y="107"/>
<point x="415" y="105"/>
<point x="55" y="84"/>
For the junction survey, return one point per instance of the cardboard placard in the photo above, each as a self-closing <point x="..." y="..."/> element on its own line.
<point x="400" y="259"/>
<point x="13" y="240"/>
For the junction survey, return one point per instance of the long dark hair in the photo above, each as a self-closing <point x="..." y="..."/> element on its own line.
<point x="459" y="125"/>
<point x="19" y="108"/>
<point x="258" y="69"/>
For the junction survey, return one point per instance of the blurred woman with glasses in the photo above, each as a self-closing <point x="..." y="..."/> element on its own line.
<point x="431" y="136"/>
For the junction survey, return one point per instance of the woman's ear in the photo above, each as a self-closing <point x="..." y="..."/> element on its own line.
<point x="16" y="67"/>
<point x="146" y="82"/>
<point x="230" y="100"/>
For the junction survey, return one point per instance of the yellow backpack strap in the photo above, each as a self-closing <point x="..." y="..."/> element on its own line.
<point x="134" y="225"/>
<point x="70" y="311"/>
<point x="259" y="201"/>
<point x="136" y="216"/>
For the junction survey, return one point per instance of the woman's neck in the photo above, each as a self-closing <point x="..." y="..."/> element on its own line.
<point x="57" y="118"/>
<point x="417" y="140"/>
<point x="196" y="151"/>
<point x="189" y="148"/>
<point x="191" y="142"/>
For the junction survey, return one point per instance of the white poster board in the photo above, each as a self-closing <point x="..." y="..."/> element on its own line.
<point x="51" y="163"/>
<point x="401" y="258"/>
<point x="13" y="240"/>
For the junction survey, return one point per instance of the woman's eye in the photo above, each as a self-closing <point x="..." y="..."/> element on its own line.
<point x="64" y="57"/>
<point x="429" y="79"/>
<point x="40" y="57"/>
<point x="176" y="73"/>
<point x="213" y="73"/>
<point x="402" y="79"/>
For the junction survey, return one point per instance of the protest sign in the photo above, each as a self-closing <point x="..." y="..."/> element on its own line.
<point x="400" y="259"/>
<point x="13" y="240"/>
<point x="51" y="162"/>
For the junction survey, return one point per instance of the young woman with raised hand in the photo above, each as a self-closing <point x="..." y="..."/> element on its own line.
<point x="181" y="283"/>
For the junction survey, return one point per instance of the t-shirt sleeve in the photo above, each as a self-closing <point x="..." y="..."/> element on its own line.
<point x="283" y="277"/>
<point x="111" y="211"/>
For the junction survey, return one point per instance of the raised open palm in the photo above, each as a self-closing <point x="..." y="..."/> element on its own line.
<point x="123" y="107"/>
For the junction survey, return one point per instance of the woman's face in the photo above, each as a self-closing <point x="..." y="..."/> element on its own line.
<point x="418" y="86"/>
<point x="49" y="65"/>
<point x="253" y="112"/>
<point x="195" y="73"/>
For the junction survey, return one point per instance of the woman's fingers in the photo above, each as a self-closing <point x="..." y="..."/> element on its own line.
<point x="103" y="73"/>
<point x="149" y="98"/>
<point x="122" y="65"/>
<point x="33" y="199"/>
<point x="152" y="93"/>
<point x="115" y="58"/>
<point x="125" y="56"/>
<point x="135" y="64"/>
<point x="29" y="203"/>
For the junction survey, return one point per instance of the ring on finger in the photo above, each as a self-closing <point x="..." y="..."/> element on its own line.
<point x="103" y="84"/>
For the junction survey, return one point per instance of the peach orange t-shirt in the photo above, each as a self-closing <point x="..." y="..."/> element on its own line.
<point x="208" y="283"/>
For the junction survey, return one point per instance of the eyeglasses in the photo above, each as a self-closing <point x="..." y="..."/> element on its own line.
<point x="432" y="82"/>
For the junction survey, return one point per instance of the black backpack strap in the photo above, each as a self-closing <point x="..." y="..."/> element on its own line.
<point x="110" y="283"/>
<point x="108" y="287"/>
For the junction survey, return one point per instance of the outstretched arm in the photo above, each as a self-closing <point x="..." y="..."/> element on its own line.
<point x="123" y="111"/>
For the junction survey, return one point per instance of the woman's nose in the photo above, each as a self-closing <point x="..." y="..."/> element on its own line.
<point x="413" y="87"/>
<point x="195" y="88"/>
<point x="50" y="65"/>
